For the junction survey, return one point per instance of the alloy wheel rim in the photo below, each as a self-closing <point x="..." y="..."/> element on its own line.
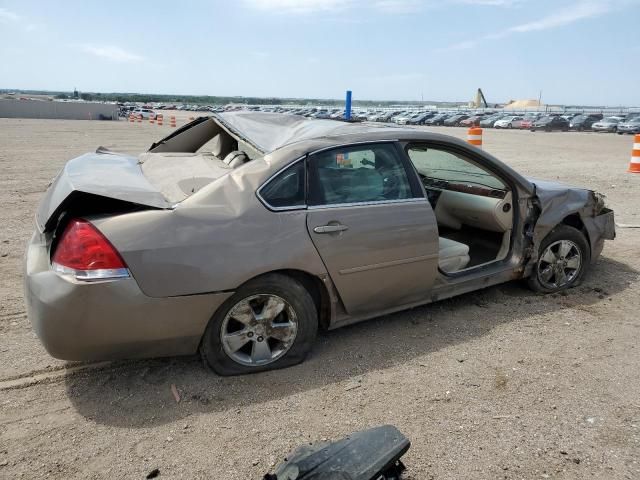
<point x="259" y="330"/>
<point x="559" y="264"/>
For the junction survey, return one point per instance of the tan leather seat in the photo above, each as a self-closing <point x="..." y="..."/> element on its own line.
<point x="453" y="256"/>
<point x="236" y="158"/>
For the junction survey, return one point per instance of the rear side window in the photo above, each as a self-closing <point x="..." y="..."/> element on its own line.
<point x="287" y="189"/>
<point x="357" y="174"/>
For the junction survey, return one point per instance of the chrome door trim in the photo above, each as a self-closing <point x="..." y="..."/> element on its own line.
<point x="372" y="203"/>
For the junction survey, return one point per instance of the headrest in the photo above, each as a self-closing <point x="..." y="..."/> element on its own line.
<point x="235" y="159"/>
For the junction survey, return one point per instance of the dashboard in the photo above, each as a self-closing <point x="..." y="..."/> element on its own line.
<point x="467" y="203"/>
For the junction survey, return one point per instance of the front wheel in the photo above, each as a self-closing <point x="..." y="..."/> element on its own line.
<point x="563" y="259"/>
<point x="269" y="323"/>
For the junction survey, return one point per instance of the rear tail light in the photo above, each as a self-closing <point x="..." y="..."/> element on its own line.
<point x="86" y="254"/>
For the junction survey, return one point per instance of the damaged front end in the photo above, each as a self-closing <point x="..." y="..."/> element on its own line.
<point x="558" y="204"/>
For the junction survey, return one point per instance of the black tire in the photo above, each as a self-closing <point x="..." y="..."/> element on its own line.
<point x="562" y="232"/>
<point x="212" y="350"/>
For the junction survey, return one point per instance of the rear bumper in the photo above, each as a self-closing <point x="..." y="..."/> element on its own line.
<point x="110" y="319"/>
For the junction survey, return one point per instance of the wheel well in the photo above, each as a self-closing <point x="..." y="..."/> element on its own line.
<point x="575" y="221"/>
<point x="316" y="289"/>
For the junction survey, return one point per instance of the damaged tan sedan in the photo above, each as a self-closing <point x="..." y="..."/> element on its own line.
<point x="240" y="235"/>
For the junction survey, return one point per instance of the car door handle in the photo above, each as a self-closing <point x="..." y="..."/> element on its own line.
<point x="331" y="228"/>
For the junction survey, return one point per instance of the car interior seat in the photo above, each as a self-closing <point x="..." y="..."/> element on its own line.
<point x="453" y="256"/>
<point x="236" y="158"/>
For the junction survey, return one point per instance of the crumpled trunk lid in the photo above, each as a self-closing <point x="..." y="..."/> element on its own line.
<point x="102" y="174"/>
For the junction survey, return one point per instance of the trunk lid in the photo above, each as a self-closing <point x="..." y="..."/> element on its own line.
<point x="100" y="174"/>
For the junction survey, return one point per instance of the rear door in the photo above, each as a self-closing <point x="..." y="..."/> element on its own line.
<point x="372" y="225"/>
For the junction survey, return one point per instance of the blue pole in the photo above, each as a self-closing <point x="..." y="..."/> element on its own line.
<point x="347" y="106"/>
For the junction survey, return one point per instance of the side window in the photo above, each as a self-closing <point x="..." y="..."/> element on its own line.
<point x="356" y="174"/>
<point x="287" y="188"/>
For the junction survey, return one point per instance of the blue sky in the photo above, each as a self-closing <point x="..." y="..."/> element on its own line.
<point x="576" y="52"/>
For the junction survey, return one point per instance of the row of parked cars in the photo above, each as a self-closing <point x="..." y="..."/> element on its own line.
<point x="624" y="123"/>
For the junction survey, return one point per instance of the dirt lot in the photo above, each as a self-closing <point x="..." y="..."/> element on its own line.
<point x="500" y="383"/>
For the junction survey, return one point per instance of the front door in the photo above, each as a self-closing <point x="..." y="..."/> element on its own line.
<point x="372" y="226"/>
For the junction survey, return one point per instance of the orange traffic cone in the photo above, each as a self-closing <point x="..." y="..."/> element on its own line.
<point x="634" y="165"/>
<point x="474" y="136"/>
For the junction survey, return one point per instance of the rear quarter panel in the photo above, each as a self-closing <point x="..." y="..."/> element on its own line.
<point x="214" y="244"/>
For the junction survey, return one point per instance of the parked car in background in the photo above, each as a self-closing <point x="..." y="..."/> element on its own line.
<point x="527" y="121"/>
<point x="403" y="119"/>
<point x="321" y="114"/>
<point x="488" y="122"/>
<point x="387" y="116"/>
<point x="550" y="123"/>
<point x="472" y="121"/>
<point x="454" y="120"/>
<point x="146" y="113"/>
<point x="629" y="126"/>
<point x="437" y="119"/>
<point x="584" y="122"/>
<point x="420" y="119"/>
<point x="509" y="122"/>
<point x="368" y="221"/>
<point x="609" y="124"/>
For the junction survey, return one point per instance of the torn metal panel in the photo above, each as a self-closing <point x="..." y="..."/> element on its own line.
<point x="102" y="173"/>
<point x="270" y="131"/>
<point x="558" y="201"/>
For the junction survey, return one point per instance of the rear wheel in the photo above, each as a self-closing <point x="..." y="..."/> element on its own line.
<point x="269" y="323"/>
<point x="563" y="258"/>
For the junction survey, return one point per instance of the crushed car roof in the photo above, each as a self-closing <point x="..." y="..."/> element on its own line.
<point x="270" y="131"/>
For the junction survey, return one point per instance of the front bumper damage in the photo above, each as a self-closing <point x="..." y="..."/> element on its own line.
<point x="556" y="202"/>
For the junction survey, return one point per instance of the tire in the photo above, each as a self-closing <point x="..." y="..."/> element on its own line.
<point x="559" y="236"/>
<point x="510" y="126"/>
<point x="299" y="310"/>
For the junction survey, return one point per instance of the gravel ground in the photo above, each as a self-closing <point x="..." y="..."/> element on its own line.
<point x="500" y="383"/>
